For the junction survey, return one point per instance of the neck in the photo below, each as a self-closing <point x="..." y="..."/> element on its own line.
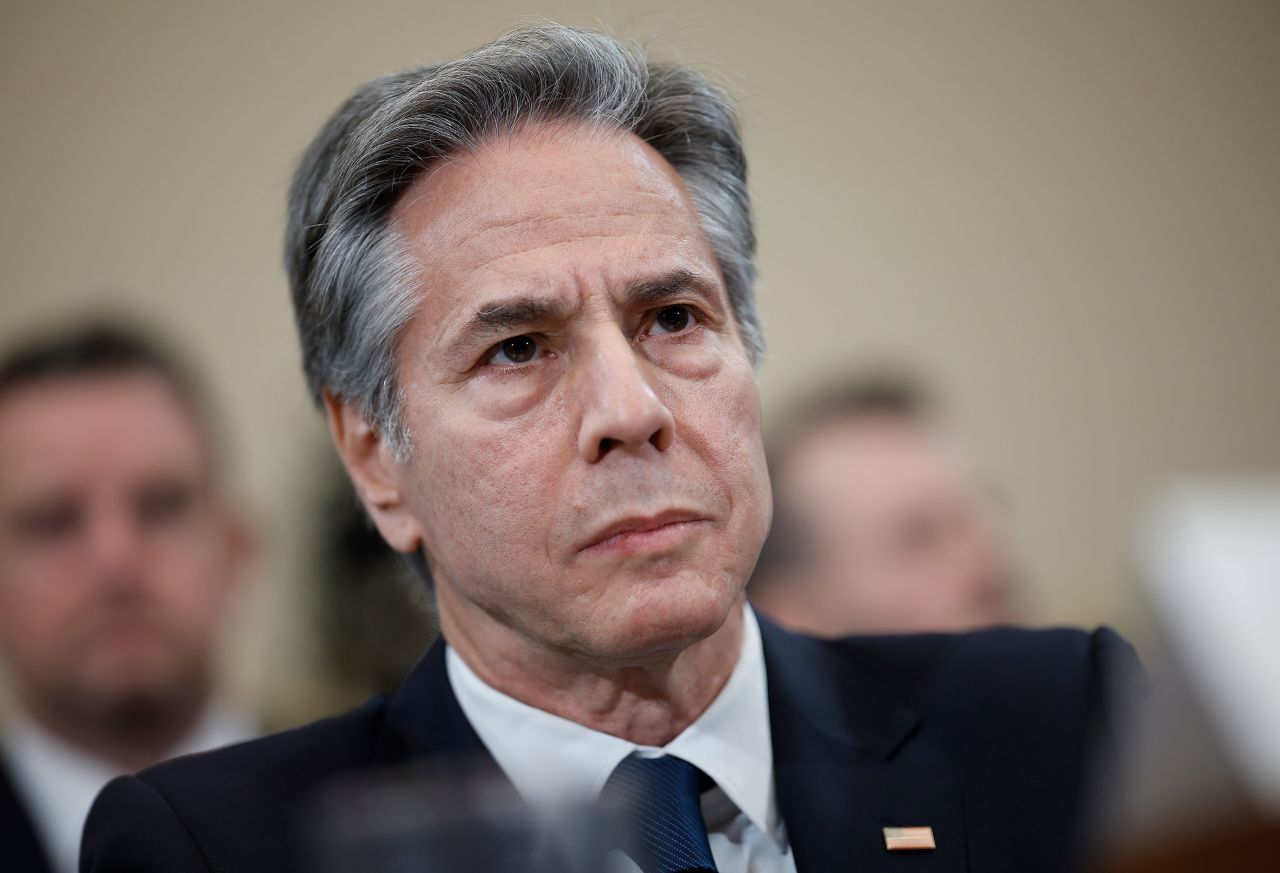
<point x="647" y="701"/>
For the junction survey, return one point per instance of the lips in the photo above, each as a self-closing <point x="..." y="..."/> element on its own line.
<point x="641" y="530"/>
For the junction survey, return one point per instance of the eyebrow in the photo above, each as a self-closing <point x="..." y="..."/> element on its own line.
<point x="675" y="284"/>
<point x="504" y="316"/>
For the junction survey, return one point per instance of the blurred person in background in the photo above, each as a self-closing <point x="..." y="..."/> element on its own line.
<point x="119" y="556"/>
<point x="881" y="522"/>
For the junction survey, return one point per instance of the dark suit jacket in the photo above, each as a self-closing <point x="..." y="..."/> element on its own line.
<point x="20" y="848"/>
<point x="987" y="737"/>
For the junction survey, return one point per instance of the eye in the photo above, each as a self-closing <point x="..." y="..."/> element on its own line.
<point x="672" y="319"/>
<point x="516" y="350"/>
<point x="49" y="524"/>
<point x="162" y="503"/>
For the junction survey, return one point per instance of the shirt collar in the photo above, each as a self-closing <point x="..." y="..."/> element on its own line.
<point x="552" y="759"/>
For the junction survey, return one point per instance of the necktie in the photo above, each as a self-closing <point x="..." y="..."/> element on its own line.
<point x="661" y="799"/>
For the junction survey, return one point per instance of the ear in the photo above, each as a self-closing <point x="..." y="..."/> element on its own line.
<point x="378" y="478"/>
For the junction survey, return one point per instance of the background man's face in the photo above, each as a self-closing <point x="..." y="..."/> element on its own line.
<point x="575" y="367"/>
<point x="900" y="533"/>
<point x="115" y="559"/>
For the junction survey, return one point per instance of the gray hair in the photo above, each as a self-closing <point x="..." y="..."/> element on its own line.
<point x="351" y="280"/>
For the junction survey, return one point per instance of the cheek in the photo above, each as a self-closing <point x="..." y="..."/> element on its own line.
<point x="719" y="419"/>
<point x="191" y="583"/>
<point x="487" y="491"/>
<point x="40" y="621"/>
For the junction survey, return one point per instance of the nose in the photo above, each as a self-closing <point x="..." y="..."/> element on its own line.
<point x="621" y="411"/>
<point x="115" y="548"/>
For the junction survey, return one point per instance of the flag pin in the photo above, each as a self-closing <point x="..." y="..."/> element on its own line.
<point x="908" y="839"/>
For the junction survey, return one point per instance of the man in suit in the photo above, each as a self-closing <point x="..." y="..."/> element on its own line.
<point x="523" y="284"/>
<point x="119" y="554"/>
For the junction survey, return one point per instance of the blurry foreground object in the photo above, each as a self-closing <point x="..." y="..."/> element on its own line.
<point x="1202" y="771"/>
<point x="881" y="524"/>
<point x="461" y="815"/>
<point x="119" y="555"/>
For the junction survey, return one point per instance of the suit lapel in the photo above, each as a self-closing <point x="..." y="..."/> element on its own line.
<point x="427" y="729"/>
<point x="850" y="760"/>
<point x="424" y="714"/>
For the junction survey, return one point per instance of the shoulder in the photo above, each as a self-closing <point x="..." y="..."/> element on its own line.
<point x="234" y="808"/>
<point x="997" y="661"/>
<point x="285" y="761"/>
<point x="1011" y="690"/>
<point x="965" y="689"/>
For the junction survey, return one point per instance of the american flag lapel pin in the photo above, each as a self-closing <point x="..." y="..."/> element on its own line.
<point x="909" y="839"/>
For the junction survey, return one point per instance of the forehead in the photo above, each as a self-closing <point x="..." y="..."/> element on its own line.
<point x="547" y="204"/>
<point x="537" y="171"/>
<point x="68" y="431"/>
<point x="878" y="461"/>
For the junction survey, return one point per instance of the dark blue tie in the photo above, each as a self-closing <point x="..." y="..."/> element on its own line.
<point x="662" y="799"/>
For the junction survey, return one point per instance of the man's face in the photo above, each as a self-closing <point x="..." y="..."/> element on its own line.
<point x="115" y="558"/>
<point x="902" y="536"/>
<point x="588" y="468"/>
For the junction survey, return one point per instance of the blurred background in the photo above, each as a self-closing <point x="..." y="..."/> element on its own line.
<point x="1063" y="218"/>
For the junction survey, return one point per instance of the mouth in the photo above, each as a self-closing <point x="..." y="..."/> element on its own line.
<point x="644" y="533"/>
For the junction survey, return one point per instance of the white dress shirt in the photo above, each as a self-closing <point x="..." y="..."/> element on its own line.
<point x="58" y="782"/>
<point x="551" y="760"/>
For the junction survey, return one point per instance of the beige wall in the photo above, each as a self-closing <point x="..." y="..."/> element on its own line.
<point x="1068" y="213"/>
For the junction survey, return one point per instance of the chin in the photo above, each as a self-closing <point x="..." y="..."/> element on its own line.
<point x="666" y="618"/>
